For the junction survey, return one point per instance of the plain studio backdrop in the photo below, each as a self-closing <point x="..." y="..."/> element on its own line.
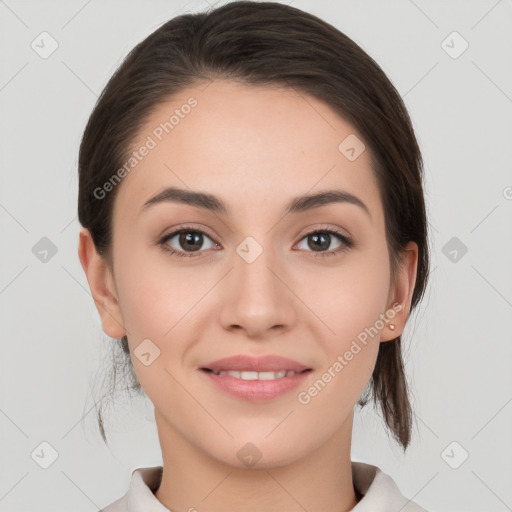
<point x="450" y="61"/>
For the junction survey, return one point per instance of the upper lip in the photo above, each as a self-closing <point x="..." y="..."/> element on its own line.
<point x="268" y="363"/>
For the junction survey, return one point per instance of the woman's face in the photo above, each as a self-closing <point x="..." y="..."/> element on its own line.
<point x="259" y="280"/>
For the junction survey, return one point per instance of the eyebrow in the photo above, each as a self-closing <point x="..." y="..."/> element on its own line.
<point x="214" y="204"/>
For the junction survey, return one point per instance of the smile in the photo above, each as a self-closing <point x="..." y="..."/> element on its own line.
<point x="251" y="375"/>
<point x="253" y="386"/>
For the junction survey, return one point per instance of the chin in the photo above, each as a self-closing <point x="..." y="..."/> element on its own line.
<point x="258" y="452"/>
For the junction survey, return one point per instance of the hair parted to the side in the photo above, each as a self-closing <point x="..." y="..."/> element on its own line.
<point x="265" y="44"/>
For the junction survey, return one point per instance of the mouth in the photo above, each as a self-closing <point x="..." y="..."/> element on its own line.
<point x="254" y="375"/>
<point x="254" y="378"/>
<point x="269" y="366"/>
<point x="255" y="386"/>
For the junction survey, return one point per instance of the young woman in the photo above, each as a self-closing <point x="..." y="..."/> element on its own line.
<point x="254" y="237"/>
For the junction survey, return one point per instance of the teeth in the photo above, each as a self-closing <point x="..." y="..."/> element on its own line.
<point x="248" y="375"/>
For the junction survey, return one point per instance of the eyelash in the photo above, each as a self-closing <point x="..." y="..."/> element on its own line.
<point x="347" y="243"/>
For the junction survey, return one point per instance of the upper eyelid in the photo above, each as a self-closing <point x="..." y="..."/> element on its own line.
<point x="177" y="231"/>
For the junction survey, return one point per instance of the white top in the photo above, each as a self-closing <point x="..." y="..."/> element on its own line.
<point x="380" y="493"/>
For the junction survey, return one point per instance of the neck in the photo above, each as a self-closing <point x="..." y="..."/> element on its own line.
<point x="192" y="479"/>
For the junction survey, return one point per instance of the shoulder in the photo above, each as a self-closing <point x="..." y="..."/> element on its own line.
<point x="380" y="492"/>
<point x="140" y="495"/>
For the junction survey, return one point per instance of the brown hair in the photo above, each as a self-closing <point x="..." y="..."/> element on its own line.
<point x="264" y="43"/>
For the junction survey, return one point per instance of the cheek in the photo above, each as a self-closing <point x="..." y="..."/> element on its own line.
<point x="351" y="297"/>
<point x="159" y="303"/>
<point x="350" y="302"/>
<point x="155" y="295"/>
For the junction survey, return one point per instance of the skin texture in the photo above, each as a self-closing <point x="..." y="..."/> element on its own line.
<point x="255" y="148"/>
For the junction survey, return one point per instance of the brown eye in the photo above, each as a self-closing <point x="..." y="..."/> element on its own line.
<point x="190" y="240"/>
<point x="187" y="241"/>
<point x="321" y="241"/>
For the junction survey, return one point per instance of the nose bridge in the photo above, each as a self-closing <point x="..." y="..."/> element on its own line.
<point x="257" y="299"/>
<point x="252" y="269"/>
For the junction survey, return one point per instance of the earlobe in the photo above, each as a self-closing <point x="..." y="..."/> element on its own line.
<point x="401" y="293"/>
<point x="102" y="286"/>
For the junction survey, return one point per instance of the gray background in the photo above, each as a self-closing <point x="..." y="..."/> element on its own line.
<point x="459" y="341"/>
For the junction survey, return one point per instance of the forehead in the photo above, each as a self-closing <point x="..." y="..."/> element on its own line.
<point x="241" y="143"/>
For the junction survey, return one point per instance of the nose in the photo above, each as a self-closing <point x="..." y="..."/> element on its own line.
<point x="257" y="295"/>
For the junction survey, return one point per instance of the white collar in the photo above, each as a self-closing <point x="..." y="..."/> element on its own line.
<point x="380" y="493"/>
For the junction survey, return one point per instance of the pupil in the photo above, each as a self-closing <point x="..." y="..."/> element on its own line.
<point x="326" y="239"/>
<point x="189" y="238"/>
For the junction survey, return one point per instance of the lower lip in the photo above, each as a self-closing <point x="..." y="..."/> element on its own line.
<point x="256" y="390"/>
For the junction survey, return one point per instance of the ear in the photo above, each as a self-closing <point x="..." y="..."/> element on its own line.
<point x="102" y="286"/>
<point x="400" y="293"/>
